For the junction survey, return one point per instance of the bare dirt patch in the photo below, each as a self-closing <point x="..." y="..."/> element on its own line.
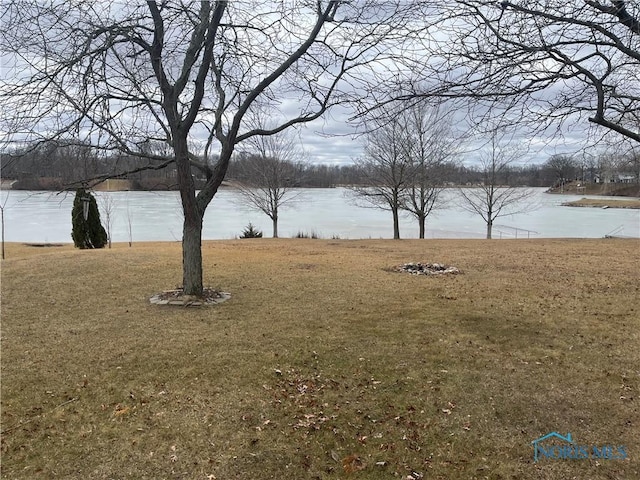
<point x="424" y="268"/>
<point x="178" y="298"/>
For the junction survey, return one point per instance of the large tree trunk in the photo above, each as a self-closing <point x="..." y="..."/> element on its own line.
<point x="192" y="227"/>
<point x="396" y="224"/>
<point x="192" y="257"/>
<point x="274" y="220"/>
<point x="490" y="217"/>
<point x="421" y="222"/>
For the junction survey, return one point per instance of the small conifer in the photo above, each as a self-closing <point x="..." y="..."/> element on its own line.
<point x="251" y="232"/>
<point x="89" y="232"/>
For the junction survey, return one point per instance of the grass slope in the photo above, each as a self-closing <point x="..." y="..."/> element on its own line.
<point x="324" y="364"/>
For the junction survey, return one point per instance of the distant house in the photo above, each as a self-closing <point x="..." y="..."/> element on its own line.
<point x="6" y="183"/>
<point x="615" y="178"/>
<point x="624" y="178"/>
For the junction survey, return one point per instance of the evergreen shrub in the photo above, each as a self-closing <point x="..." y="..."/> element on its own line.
<point x="251" y="232"/>
<point x="87" y="233"/>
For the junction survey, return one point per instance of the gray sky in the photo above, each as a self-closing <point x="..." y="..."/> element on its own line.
<point x="334" y="140"/>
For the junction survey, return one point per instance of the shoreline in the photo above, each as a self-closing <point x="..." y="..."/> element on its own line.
<point x="18" y="249"/>
<point x="604" y="204"/>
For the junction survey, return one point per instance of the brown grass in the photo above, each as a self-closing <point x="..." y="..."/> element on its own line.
<point x="597" y="203"/>
<point x="324" y="364"/>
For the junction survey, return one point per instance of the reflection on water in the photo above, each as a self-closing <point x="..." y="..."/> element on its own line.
<point x="46" y="217"/>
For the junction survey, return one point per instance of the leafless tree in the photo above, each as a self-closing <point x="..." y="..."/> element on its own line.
<point x="606" y="167"/>
<point x="563" y="168"/>
<point x="268" y="174"/>
<point x="3" y="205"/>
<point x="587" y="166"/>
<point x="492" y="199"/>
<point x="129" y="225"/>
<point x="119" y="75"/>
<point x="107" y="205"/>
<point x="430" y="143"/>
<point x="633" y="164"/>
<point x="614" y="160"/>
<point x="539" y="62"/>
<point x="385" y="169"/>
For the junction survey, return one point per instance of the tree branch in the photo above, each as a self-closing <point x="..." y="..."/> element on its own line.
<point x="618" y="9"/>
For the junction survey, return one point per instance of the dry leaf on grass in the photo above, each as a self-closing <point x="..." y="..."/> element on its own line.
<point x="353" y="463"/>
<point x="120" y="410"/>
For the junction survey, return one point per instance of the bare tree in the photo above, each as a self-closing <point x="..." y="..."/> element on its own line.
<point x="129" y="225"/>
<point x="619" y="165"/>
<point x="563" y="168"/>
<point x="429" y="143"/>
<point x="587" y="164"/>
<point x="631" y="163"/>
<point x="606" y="168"/>
<point x="267" y="175"/>
<point x="492" y="198"/>
<point x="107" y="205"/>
<point x="540" y="62"/>
<point x="385" y="169"/>
<point x="3" y="205"/>
<point x="121" y="75"/>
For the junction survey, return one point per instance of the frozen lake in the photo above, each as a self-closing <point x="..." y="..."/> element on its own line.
<point x="46" y="217"/>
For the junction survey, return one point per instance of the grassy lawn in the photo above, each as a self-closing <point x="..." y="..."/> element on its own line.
<point x="325" y="364"/>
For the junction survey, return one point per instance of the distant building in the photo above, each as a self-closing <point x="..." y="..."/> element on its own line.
<point x="615" y="178"/>
<point x="6" y="183"/>
<point x="624" y="178"/>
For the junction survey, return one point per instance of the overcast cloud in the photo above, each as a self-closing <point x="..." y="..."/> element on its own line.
<point x="337" y="141"/>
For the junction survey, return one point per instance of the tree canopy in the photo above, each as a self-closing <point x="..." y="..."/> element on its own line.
<point x="541" y="62"/>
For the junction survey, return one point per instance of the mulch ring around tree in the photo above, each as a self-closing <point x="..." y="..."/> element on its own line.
<point x="427" y="269"/>
<point x="178" y="298"/>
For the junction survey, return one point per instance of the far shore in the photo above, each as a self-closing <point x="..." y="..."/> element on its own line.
<point x="624" y="190"/>
<point x="604" y="203"/>
<point x="621" y="190"/>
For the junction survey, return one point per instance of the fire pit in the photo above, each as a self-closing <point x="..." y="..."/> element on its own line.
<point x="427" y="269"/>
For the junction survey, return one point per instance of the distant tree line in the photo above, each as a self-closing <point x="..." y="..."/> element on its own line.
<point x="66" y="166"/>
<point x="55" y="166"/>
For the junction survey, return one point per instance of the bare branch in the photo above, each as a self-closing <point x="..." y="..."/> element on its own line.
<point x="542" y="63"/>
<point x="618" y="9"/>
